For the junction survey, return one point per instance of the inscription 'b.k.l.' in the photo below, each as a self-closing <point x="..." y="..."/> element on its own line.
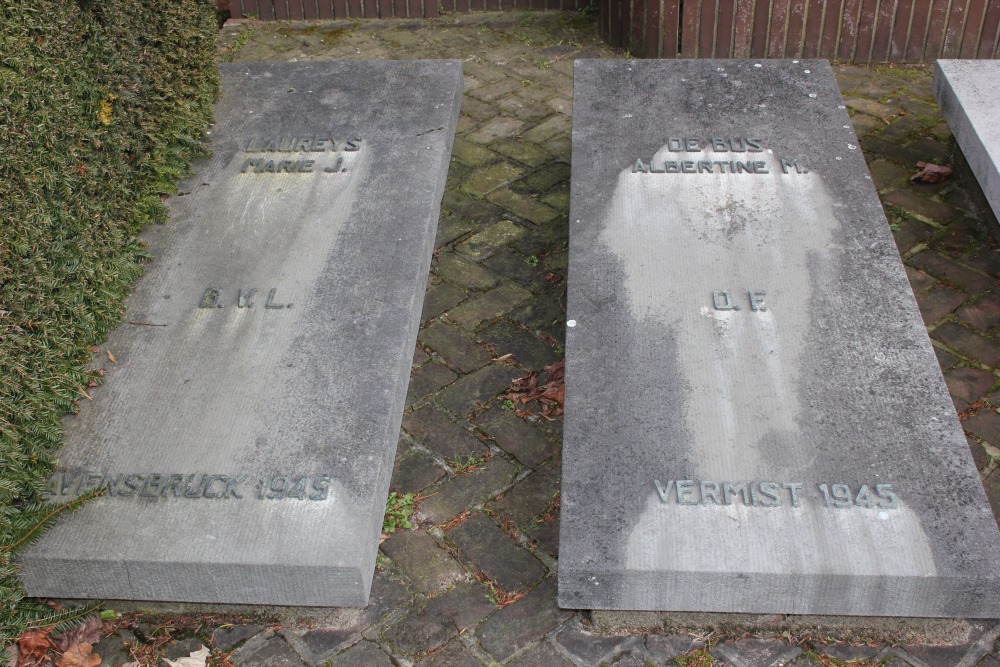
<point x="212" y="298"/>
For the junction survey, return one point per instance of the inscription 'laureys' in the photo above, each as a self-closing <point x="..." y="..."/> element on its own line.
<point x="187" y="485"/>
<point x="303" y="165"/>
<point x="773" y="494"/>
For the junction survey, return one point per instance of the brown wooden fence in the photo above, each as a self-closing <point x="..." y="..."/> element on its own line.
<point x="343" y="9"/>
<point x="861" y="31"/>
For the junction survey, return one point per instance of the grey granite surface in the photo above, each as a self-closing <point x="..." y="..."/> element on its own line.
<point x="755" y="419"/>
<point x="246" y="433"/>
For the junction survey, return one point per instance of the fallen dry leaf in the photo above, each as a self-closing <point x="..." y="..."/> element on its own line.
<point x="32" y="647"/>
<point x="111" y="357"/>
<point x="79" y="655"/>
<point x="930" y="173"/>
<point x="88" y="632"/>
<point x="196" y="659"/>
<point x="525" y="389"/>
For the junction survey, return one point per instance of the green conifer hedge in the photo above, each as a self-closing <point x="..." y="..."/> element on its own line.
<point x="102" y="105"/>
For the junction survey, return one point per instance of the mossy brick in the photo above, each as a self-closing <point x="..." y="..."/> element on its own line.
<point x="945" y="358"/>
<point x="918" y="279"/>
<point x="460" y="492"/>
<point x="469" y="208"/>
<point x="938" y="302"/>
<point x="484" y="385"/>
<point x="544" y="88"/>
<point x="556" y="261"/>
<point x="948" y="270"/>
<point x="525" y="442"/>
<point x="549" y="128"/>
<point x="984" y="424"/>
<point x="441" y="435"/>
<point x="478" y="110"/>
<point x="983" y="313"/>
<point x="917" y="106"/>
<point x="490" y="178"/>
<point x="969" y="343"/>
<point x="885" y="174"/>
<point x="454" y="654"/>
<point x="456" y="269"/>
<point x="523" y="206"/>
<point x="424" y="563"/>
<point x="440" y="298"/>
<point x="341" y="627"/>
<point x="992" y="486"/>
<point x="470" y="83"/>
<point x="959" y="237"/>
<point x="518" y="625"/>
<point x="863" y="125"/>
<point x="443" y="617"/>
<point x="531" y="496"/>
<point x="482" y="71"/>
<point x="874" y="146"/>
<point x="544" y="315"/>
<point x="594" y="649"/>
<point x="522" y="151"/>
<point x="531" y="112"/>
<point x="560" y="145"/>
<point x="560" y="105"/>
<point x="902" y="127"/>
<point x="528" y="350"/>
<point x="419" y="356"/>
<point x="517" y="268"/>
<point x="496" y="88"/>
<point x="542" y="655"/>
<point x="756" y="651"/>
<point x="267" y="649"/>
<point x="921" y="207"/>
<point x="495" y="236"/>
<point x="870" y="107"/>
<point x="909" y="232"/>
<point x="457" y="349"/>
<point x="450" y="228"/>
<point x="557" y="199"/>
<point x="968" y="384"/>
<point x="545" y="535"/>
<point x="500" y="127"/>
<point x="931" y="150"/>
<point x="544" y="179"/>
<point x="471" y="154"/>
<point x="485" y="546"/>
<point x="541" y="239"/>
<point x="413" y="471"/>
<point x="465" y="125"/>
<point x="363" y="654"/>
<point x="489" y="306"/>
<point x="986" y="259"/>
<point x="428" y="379"/>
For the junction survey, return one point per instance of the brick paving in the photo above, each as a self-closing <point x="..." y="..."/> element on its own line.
<point x="474" y="582"/>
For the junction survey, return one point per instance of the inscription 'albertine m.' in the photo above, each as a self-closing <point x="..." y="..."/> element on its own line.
<point x="245" y="438"/>
<point x="755" y="418"/>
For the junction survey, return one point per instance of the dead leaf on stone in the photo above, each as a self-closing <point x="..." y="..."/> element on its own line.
<point x="111" y="357"/>
<point x="550" y="395"/>
<point x="33" y="647"/>
<point x="930" y="173"/>
<point x="88" y="632"/>
<point x="195" y="659"/>
<point x="79" y="655"/>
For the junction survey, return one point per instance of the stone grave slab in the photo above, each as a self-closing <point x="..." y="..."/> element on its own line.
<point x="967" y="92"/>
<point x="755" y="419"/>
<point x="245" y="435"/>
